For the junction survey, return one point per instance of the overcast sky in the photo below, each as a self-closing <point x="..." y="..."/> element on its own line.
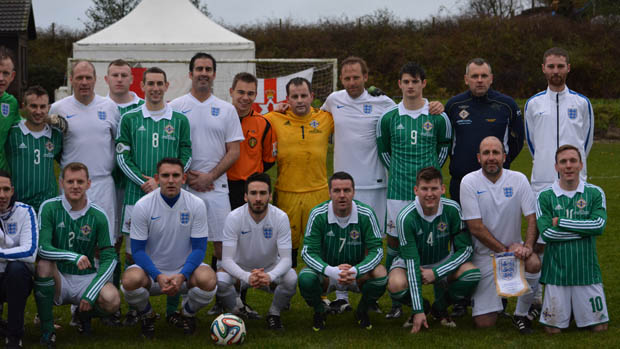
<point x="71" y="13"/>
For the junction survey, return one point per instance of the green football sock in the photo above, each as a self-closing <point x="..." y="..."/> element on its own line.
<point x="311" y="290"/>
<point x="44" y="289"/>
<point x="401" y="297"/>
<point x="172" y="303"/>
<point x="465" y="285"/>
<point x="372" y="290"/>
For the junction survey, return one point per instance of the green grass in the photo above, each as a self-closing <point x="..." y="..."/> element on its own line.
<point x="341" y="330"/>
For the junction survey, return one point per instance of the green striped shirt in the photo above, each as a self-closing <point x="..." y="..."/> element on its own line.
<point x="570" y="255"/>
<point x="326" y="243"/>
<point x="31" y="158"/>
<point x="407" y="143"/>
<point x="442" y="244"/>
<point x="144" y="140"/>
<point x="65" y="239"/>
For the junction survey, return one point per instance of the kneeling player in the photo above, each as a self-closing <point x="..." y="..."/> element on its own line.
<point x="72" y="228"/>
<point x="168" y="243"/>
<point x="256" y="251"/>
<point x="342" y="250"/>
<point x="435" y="248"/>
<point x="570" y="215"/>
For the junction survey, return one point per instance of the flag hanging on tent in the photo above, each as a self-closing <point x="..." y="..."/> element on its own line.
<point x="137" y="78"/>
<point x="273" y="90"/>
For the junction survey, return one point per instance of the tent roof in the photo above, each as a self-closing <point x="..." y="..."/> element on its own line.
<point x="165" y="22"/>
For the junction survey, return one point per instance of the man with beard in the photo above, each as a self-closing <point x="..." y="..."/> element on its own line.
<point x="256" y="251"/>
<point x="493" y="200"/>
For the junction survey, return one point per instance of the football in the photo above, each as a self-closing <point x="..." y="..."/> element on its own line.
<point x="228" y="329"/>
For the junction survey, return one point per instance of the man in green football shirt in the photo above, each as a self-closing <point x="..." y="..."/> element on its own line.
<point x="435" y="248"/>
<point x="342" y="250"/>
<point x="9" y="108"/>
<point x="31" y="147"/>
<point x="72" y="230"/>
<point x="409" y="138"/>
<point x="570" y="215"/>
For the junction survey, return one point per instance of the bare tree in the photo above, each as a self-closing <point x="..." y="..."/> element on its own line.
<point x="495" y="8"/>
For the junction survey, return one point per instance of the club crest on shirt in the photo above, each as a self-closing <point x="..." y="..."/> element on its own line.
<point x="314" y="124"/>
<point x="11" y="228"/>
<point x="101" y="115"/>
<point x="463" y="114"/>
<point x="367" y="108"/>
<point x="5" y="109"/>
<point x="49" y="146"/>
<point x="85" y="229"/>
<point x="184" y="217"/>
<point x="354" y="234"/>
<point x="442" y="226"/>
<point x="169" y="129"/>
<point x="428" y="126"/>
<point x="508" y="192"/>
<point x="581" y="203"/>
<point x="268" y="232"/>
<point x="507" y="268"/>
<point x="252" y="142"/>
<point x="572" y="113"/>
<point x="215" y="111"/>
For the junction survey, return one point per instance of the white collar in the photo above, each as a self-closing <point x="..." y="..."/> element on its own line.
<point x="558" y="191"/>
<point x="75" y="214"/>
<point x="134" y="99"/>
<point x="553" y="93"/>
<point x="47" y="131"/>
<point x="157" y="115"/>
<point x="430" y="219"/>
<point x="413" y="113"/>
<point x="331" y="216"/>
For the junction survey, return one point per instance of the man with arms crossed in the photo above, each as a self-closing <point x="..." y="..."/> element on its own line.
<point x="570" y="215"/>
<point x="19" y="239"/>
<point x="435" y="248"/>
<point x="256" y="251"/>
<point x="303" y="134"/>
<point x="342" y="250"/>
<point x="216" y="134"/>
<point x="493" y="200"/>
<point x="72" y="229"/>
<point x="168" y="243"/>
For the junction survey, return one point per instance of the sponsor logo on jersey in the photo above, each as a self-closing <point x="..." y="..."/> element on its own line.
<point x="155" y="218"/>
<point x="420" y="232"/>
<point x="287" y="123"/>
<point x="354" y="234"/>
<point x="367" y="108"/>
<point x="507" y="268"/>
<point x="6" y="109"/>
<point x="101" y="115"/>
<point x="541" y="113"/>
<point x="463" y="114"/>
<point x="141" y="128"/>
<point x="22" y="146"/>
<point x="244" y="232"/>
<point x="581" y="203"/>
<point x="491" y="120"/>
<point x="85" y="229"/>
<point x="480" y="192"/>
<point x="572" y="113"/>
<point x="215" y="111"/>
<point x="508" y="192"/>
<point x="400" y="127"/>
<point x="184" y="217"/>
<point x="268" y="232"/>
<point x="339" y="106"/>
<point x="442" y="226"/>
<point x="49" y="146"/>
<point x="428" y="126"/>
<point x="558" y="207"/>
<point x="169" y="129"/>
<point x="61" y="225"/>
<point x="70" y="116"/>
<point x="11" y="228"/>
<point x="252" y="142"/>
<point x="186" y="111"/>
<point x="330" y="233"/>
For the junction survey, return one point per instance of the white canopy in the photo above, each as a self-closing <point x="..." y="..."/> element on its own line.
<point x="166" y="33"/>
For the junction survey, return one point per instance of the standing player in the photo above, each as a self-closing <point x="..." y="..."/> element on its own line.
<point x="32" y="147"/>
<point x="303" y="134"/>
<point x="477" y="113"/>
<point x="342" y="250"/>
<point x="409" y="139"/>
<point x="146" y="135"/>
<point x="435" y="248"/>
<point x="72" y="229"/>
<point x="571" y="214"/>
<point x="119" y="79"/>
<point x="19" y="238"/>
<point x="257" y="251"/>
<point x="92" y="122"/>
<point x="493" y="200"/>
<point x="168" y="243"/>
<point x="216" y="134"/>
<point x="9" y="108"/>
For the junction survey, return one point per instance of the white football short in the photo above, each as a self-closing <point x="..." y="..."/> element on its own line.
<point x="72" y="287"/>
<point x="377" y="199"/>
<point x="218" y="207"/>
<point x="155" y="290"/>
<point x="587" y="304"/>
<point x="393" y="209"/>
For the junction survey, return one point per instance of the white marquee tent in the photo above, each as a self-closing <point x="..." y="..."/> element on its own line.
<point x="167" y="33"/>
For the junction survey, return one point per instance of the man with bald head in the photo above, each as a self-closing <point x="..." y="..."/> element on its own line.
<point x="493" y="199"/>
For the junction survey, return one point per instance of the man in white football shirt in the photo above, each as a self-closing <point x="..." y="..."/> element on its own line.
<point x="256" y="251"/>
<point x="493" y="200"/>
<point x="168" y="243"/>
<point x="92" y="121"/>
